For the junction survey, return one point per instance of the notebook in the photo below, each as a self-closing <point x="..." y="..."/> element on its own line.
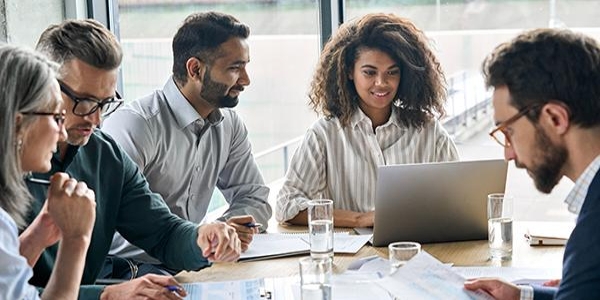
<point x="435" y="202"/>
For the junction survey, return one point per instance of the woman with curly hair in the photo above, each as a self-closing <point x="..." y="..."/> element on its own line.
<point x="381" y="92"/>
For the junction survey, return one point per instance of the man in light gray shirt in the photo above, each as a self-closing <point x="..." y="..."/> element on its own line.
<point x="186" y="139"/>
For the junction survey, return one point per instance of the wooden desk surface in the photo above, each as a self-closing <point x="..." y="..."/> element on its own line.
<point x="470" y="253"/>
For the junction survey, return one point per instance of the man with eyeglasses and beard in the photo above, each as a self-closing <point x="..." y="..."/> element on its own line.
<point x="187" y="140"/>
<point x="89" y="56"/>
<point x="547" y="111"/>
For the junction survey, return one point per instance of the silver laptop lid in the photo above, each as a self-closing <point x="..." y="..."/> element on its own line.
<point x="435" y="202"/>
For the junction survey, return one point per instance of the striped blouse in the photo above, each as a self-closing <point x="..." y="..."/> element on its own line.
<point x="340" y="163"/>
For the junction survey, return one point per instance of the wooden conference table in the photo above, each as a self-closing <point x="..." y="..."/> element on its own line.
<point x="468" y="253"/>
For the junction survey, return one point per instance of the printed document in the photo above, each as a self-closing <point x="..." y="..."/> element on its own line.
<point x="424" y="277"/>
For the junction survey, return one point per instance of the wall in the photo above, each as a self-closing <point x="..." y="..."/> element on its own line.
<point x="22" y="21"/>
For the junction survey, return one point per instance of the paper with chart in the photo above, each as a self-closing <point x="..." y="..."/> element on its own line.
<point x="424" y="277"/>
<point x="227" y="290"/>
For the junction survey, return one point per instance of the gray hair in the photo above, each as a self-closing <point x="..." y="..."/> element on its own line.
<point x="25" y="80"/>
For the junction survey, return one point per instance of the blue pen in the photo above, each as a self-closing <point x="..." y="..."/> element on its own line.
<point x="253" y="225"/>
<point x="172" y="288"/>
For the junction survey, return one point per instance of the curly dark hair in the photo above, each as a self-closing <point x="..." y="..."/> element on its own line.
<point x="544" y="65"/>
<point x="422" y="89"/>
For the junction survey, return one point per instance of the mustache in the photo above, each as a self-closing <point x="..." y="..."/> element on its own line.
<point x="238" y="88"/>
<point x="82" y="126"/>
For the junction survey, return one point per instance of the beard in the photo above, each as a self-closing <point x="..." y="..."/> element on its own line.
<point x="216" y="93"/>
<point x="547" y="164"/>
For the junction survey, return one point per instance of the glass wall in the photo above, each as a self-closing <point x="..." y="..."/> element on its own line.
<point x="284" y="49"/>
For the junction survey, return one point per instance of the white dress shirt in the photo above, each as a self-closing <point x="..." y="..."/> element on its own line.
<point x="14" y="270"/>
<point x="340" y="163"/>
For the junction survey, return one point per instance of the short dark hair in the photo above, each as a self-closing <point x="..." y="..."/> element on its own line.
<point x="200" y="36"/>
<point x="544" y="65"/>
<point x="87" y="40"/>
<point x="422" y="90"/>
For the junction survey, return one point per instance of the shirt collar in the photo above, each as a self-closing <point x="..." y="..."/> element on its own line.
<point x="577" y="195"/>
<point x="183" y="112"/>
<point x="360" y="117"/>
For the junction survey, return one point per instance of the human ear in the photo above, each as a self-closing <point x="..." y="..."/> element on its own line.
<point x="195" y="68"/>
<point x="556" y="116"/>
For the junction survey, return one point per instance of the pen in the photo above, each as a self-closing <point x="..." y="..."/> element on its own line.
<point x="253" y="225"/>
<point x="38" y="181"/>
<point x="172" y="288"/>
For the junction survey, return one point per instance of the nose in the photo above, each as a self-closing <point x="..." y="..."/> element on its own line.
<point x="96" y="117"/>
<point x="62" y="133"/>
<point x="380" y="80"/>
<point x="244" y="78"/>
<point x="509" y="153"/>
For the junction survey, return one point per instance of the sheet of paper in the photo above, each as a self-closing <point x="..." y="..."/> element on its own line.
<point x="228" y="290"/>
<point x="344" y="242"/>
<point x="351" y="286"/>
<point x="509" y="273"/>
<point x="271" y="245"/>
<point x="424" y="277"/>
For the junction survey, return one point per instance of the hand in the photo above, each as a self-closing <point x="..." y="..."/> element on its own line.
<point x="219" y="242"/>
<point x="149" y="286"/>
<point x="72" y="206"/>
<point x="39" y="235"/>
<point x="552" y="283"/>
<point x="244" y="233"/>
<point x="43" y="228"/>
<point x="500" y="290"/>
<point x="366" y="219"/>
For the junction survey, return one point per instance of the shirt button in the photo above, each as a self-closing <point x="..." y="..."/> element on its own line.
<point x="197" y="169"/>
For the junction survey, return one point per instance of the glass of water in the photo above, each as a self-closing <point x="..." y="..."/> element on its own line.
<point x="320" y="227"/>
<point x="315" y="278"/>
<point x="402" y="252"/>
<point x="500" y="233"/>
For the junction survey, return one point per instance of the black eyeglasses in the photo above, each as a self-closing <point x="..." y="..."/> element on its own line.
<point x="85" y="106"/>
<point x="499" y="132"/>
<point x="59" y="118"/>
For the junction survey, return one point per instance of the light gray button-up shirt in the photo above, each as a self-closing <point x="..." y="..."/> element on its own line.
<point x="184" y="156"/>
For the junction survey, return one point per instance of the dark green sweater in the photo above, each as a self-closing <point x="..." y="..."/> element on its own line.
<point x="124" y="203"/>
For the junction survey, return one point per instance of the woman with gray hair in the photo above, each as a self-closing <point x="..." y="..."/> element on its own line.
<point x="31" y="123"/>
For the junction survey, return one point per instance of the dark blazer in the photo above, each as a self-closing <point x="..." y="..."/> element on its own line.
<point x="581" y="263"/>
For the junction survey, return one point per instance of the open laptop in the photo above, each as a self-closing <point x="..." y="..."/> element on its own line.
<point x="435" y="202"/>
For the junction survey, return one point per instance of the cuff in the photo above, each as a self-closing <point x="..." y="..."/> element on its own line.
<point x="526" y="292"/>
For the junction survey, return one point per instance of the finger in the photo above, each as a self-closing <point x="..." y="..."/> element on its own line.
<point x="69" y="186"/>
<point x="80" y="189"/>
<point x="167" y="286"/>
<point x="204" y="241"/>
<point x="245" y="237"/>
<point x="241" y="220"/>
<point x="57" y="181"/>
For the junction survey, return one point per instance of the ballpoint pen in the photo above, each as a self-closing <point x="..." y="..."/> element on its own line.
<point x="172" y="288"/>
<point x="253" y="225"/>
<point x="37" y="180"/>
